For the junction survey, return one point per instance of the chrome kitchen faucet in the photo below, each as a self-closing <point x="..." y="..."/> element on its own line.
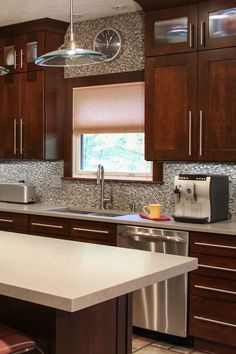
<point x="100" y="180"/>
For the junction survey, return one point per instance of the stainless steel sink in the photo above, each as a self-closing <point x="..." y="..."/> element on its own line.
<point x="94" y="212"/>
<point x="72" y="210"/>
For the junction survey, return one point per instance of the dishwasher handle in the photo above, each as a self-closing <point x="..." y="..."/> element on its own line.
<point x="147" y="237"/>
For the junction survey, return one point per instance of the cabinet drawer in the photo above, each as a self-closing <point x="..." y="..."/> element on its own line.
<point x="213" y="244"/>
<point x="217" y="267"/>
<point x="220" y="289"/>
<point x="213" y="320"/>
<point x="49" y="226"/>
<point x="96" y="232"/>
<point x="14" y="222"/>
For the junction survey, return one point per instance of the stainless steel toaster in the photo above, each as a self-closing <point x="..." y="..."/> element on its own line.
<point x="17" y="193"/>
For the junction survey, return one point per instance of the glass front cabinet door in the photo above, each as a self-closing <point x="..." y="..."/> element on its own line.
<point x="217" y="24"/>
<point x="19" y="53"/>
<point x="171" y="30"/>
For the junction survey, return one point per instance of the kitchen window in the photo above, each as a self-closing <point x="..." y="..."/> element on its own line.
<point x="108" y="129"/>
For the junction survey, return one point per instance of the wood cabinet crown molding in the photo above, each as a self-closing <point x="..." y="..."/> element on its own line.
<point x="151" y="5"/>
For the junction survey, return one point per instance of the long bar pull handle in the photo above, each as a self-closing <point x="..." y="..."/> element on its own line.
<point x="217" y="268"/>
<point x="91" y="230"/>
<point x="14" y="137"/>
<point x="214" y="245"/>
<point x="21" y="136"/>
<point x="190" y="133"/>
<point x="202" y="33"/>
<point x="215" y="321"/>
<point x="15" y="59"/>
<point x="200" y="132"/>
<point x="21" y="59"/>
<point x="190" y="35"/>
<point x="215" y="289"/>
<point x="47" y="225"/>
<point x="7" y="220"/>
<point x="142" y="237"/>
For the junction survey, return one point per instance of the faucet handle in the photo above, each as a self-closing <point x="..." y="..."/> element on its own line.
<point x="106" y="202"/>
<point x="132" y="206"/>
<point x="99" y="174"/>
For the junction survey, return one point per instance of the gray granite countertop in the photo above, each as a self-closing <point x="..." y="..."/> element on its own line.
<point x="227" y="227"/>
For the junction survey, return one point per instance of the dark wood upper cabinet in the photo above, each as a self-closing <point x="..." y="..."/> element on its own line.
<point x="32" y="114"/>
<point x="171" y="90"/>
<point x="21" y="52"/>
<point x="203" y="26"/>
<point x="32" y="98"/>
<point x="217" y="24"/>
<point x="216" y="102"/>
<point x="22" y="43"/>
<point x="190" y="100"/>
<point x="171" y="31"/>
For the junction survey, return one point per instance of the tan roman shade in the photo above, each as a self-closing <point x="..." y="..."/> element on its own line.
<point x="109" y="109"/>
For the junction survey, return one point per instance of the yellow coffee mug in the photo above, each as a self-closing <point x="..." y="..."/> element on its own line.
<point x="153" y="211"/>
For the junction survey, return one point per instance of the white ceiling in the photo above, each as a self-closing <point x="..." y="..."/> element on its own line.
<point x="14" y="11"/>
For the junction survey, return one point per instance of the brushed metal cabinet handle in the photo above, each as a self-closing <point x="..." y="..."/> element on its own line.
<point x="200" y="132"/>
<point x="214" y="245"/>
<point x="7" y="220"/>
<point x="21" y="59"/>
<point x="217" y="268"/>
<point x="14" y="137"/>
<point x="215" y="289"/>
<point x="47" y="225"/>
<point x="191" y="35"/>
<point x="190" y="133"/>
<point x="15" y="59"/>
<point x="202" y="33"/>
<point x="90" y="230"/>
<point x="21" y="136"/>
<point x="214" y="321"/>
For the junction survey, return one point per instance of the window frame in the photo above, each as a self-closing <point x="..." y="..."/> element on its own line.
<point x="78" y="173"/>
<point x="69" y="84"/>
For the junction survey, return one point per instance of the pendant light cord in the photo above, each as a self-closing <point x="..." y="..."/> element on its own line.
<point x="71" y="21"/>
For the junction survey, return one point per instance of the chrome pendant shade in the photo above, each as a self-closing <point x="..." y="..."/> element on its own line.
<point x="3" y="71"/>
<point x="70" y="53"/>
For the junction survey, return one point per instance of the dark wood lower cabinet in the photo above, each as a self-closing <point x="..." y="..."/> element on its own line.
<point x="105" y="328"/>
<point x="94" y="232"/>
<point x="212" y="301"/>
<point x="49" y="226"/>
<point x="14" y="222"/>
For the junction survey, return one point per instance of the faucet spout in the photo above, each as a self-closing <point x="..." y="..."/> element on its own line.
<point x="101" y="181"/>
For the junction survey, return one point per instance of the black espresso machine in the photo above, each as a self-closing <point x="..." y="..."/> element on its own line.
<point x="201" y="198"/>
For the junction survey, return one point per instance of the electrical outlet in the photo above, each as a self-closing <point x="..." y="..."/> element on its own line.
<point x="56" y="181"/>
<point x="23" y="177"/>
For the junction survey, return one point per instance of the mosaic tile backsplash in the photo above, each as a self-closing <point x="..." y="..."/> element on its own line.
<point x="131" y="57"/>
<point x="87" y="194"/>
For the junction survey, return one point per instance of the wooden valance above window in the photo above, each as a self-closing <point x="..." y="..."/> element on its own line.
<point x="115" y="108"/>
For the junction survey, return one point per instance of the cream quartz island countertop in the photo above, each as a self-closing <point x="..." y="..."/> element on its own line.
<point x="70" y="275"/>
<point x="227" y="227"/>
<point x="73" y="297"/>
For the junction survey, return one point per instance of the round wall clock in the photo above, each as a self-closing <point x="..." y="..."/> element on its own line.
<point x="108" y="41"/>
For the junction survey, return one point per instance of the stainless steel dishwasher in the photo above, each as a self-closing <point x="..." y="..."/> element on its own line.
<point x="160" y="307"/>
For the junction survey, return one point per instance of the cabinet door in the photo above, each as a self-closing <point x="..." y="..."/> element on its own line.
<point x="217" y="24"/>
<point x="171" y="89"/>
<point x="10" y="114"/>
<point x="217" y="105"/>
<point x="32" y="115"/>
<point x="93" y="232"/>
<point x="32" y="45"/>
<point x="11" y="53"/>
<point x="171" y="31"/>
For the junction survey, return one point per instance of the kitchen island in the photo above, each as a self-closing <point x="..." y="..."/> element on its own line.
<point x="72" y="297"/>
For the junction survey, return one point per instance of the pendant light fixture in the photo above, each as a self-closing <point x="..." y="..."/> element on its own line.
<point x="3" y="71"/>
<point x="70" y="53"/>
